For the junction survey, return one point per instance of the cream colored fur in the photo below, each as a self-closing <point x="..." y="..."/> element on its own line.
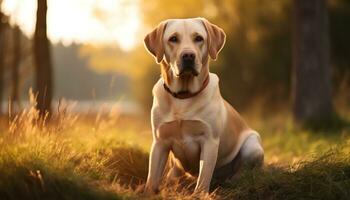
<point x="203" y="132"/>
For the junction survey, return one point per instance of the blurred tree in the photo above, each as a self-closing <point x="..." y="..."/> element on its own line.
<point x="15" y="66"/>
<point x="2" y="43"/>
<point x="42" y="61"/>
<point x="339" y="11"/>
<point x="311" y="82"/>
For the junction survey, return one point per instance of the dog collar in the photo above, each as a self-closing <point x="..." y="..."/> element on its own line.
<point x="186" y="95"/>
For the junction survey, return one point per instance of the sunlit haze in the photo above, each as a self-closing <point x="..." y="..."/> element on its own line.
<point x="82" y="21"/>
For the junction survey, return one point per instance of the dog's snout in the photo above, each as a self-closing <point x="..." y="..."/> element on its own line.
<point x="188" y="59"/>
<point x="188" y="56"/>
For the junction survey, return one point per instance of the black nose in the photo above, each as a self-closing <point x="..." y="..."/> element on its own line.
<point x="188" y="56"/>
<point x="188" y="59"/>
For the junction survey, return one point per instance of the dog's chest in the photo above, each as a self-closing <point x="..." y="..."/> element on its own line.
<point x="181" y="130"/>
<point x="184" y="137"/>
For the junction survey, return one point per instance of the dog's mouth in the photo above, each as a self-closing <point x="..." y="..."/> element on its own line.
<point x="190" y="72"/>
<point x="187" y="71"/>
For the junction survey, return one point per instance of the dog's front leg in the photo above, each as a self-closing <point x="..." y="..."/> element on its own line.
<point x="208" y="157"/>
<point x="158" y="158"/>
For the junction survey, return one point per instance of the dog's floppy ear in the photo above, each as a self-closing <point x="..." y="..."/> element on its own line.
<point x="216" y="38"/>
<point x="154" y="42"/>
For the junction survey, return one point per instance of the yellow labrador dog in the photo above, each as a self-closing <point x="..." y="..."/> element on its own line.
<point x="190" y="119"/>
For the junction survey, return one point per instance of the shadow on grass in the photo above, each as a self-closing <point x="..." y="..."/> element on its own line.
<point x="22" y="183"/>
<point x="128" y="165"/>
<point x="26" y="174"/>
<point x="326" y="177"/>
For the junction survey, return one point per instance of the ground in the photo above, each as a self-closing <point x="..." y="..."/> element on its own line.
<point x="106" y="157"/>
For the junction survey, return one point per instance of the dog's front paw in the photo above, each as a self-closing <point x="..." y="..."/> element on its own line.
<point x="150" y="190"/>
<point x="201" y="189"/>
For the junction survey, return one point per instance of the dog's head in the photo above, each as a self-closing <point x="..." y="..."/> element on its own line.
<point x="185" y="44"/>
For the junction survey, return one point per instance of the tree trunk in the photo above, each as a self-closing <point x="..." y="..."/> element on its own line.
<point x="311" y="68"/>
<point x="2" y="49"/>
<point x="15" y="68"/>
<point x="42" y="62"/>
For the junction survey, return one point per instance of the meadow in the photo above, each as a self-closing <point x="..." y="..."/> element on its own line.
<point x="105" y="156"/>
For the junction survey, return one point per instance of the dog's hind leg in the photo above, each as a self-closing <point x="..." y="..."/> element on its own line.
<point x="252" y="153"/>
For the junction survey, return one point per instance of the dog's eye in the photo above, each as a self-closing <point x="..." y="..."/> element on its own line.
<point x="173" y="39"/>
<point x="198" y="38"/>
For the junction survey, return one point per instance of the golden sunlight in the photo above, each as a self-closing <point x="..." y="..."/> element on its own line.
<point x="81" y="21"/>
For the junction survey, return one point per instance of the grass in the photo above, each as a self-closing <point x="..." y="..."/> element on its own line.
<point x="326" y="176"/>
<point x="106" y="157"/>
